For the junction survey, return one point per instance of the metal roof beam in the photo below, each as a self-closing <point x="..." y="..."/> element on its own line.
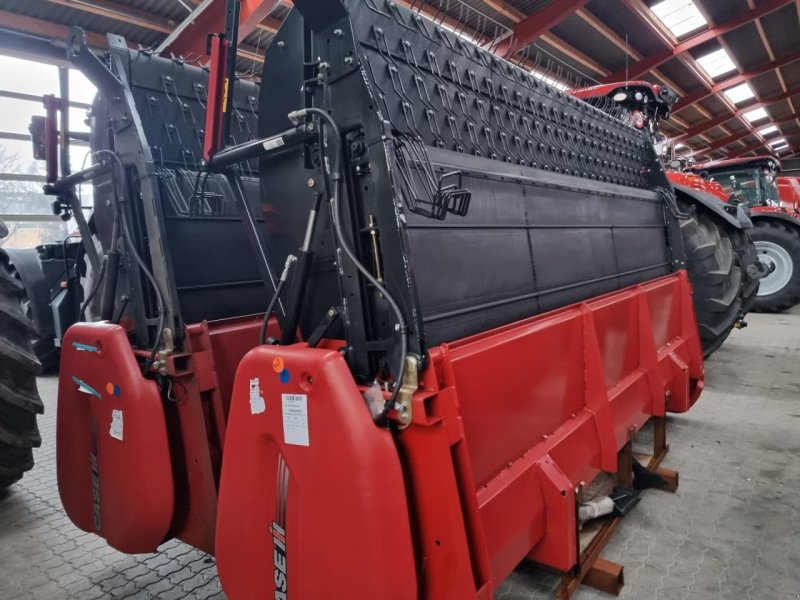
<point x="705" y="126"/>
<point x="734" y="138"/>
<point x="733" y="81"/>
<point x="118" y="12"/>
<point x="534" y="26"/>
<point x="650" y="62"/>
<point x="189" y="37"/>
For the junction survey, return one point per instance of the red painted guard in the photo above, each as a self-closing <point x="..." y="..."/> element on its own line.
<point x="312" y="499"/>
<point x="113" y="459"/>
<point x="506" y="426"/>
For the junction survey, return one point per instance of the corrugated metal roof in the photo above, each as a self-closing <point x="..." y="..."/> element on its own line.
<point x="781" y="28"/>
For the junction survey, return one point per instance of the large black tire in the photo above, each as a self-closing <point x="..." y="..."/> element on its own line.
<point x="28" y="269"/>
<point x="752" y="272"/>
<point x="778" y="244"/>
<point x="716" y="276"/>
<point x="19" y="397"/>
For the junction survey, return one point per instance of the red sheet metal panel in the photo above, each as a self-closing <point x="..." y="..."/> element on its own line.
<point x="505" y="427"/>
<point x="543" y="406"/>
<point x="114" y="466"/>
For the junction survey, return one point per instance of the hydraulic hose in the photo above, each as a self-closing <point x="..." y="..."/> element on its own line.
<point x="336" y="176"/>
<point x="128" y="238"/>
<point x="262" y="336"/>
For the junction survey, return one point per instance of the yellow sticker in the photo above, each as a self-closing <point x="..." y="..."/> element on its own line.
<point x="225" y="96"/>
<point x="277" y="364"/>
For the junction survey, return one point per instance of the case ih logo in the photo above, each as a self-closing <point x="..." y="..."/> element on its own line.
<point x="278" y="530"/>
<point x="95" y="469"/>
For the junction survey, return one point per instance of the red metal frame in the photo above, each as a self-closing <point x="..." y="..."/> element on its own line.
<point x="192" y="40"/>
<point x="706" y="125"/>
<point x="735" y="80"/>
<point x="218" y="88"/>
<point x="532" y="27"/>
<point x="506" y="425"/>
<point x="648" y="63"/>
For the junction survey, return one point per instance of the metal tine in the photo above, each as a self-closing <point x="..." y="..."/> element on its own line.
<point x="462" y="25"/>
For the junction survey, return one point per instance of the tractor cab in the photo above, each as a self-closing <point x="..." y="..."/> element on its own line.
<point x="751" y="182"/>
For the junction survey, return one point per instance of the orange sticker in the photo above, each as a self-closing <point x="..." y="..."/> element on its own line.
<point x="277" y="364"/>
<point x="110" y="388"/>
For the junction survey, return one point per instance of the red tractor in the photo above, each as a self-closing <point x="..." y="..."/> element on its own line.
<point x="370" y="329"/>
<point x="789" y="192"/>
<point x="753" y="183"/>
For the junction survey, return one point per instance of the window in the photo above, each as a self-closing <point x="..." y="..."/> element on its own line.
<point x="756" y="115"/>
<point x="778" y="142"/>
<point x="25" y="210"/>
<point x="768" y="130"/>
<point x="740" y="93"/>
<point x="680" y="16"/>
<point x="717" y="63"/>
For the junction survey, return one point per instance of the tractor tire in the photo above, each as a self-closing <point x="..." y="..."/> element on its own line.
<point x="716" y="276"/>
<point x="748" y="260"/>
<point x="19" y="397"/>
<point x="778" y="244"/>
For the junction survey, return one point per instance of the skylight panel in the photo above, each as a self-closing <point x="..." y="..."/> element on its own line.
<point x="680" y="16"/>
<point x="778" y="142"/>
<point x="768" y="130"/>
<point x="740" y="93"/>
<point x="679" y="146"/>
<point x="717" y="63"/>
<point x="756" y="115"/>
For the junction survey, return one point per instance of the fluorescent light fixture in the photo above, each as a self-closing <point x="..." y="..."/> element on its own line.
<point x="717" y="63"/>
<point x="768" y="130"/>
<point x="550" y="80"/>
<point x="756" y="115"/>
<point x="778" y="142"/>
<point x="680" y="16"/>
<point x="679" y="145"/>
<point x="740" y="93"/>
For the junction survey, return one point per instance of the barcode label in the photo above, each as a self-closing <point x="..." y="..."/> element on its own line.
<point x="295" y="419"/>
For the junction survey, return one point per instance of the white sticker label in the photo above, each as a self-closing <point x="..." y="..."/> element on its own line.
<point x="257" y="404"/>
<point x="295" y="419"/>
<point x="116" y="425"/>
<point x="273" y="143"/>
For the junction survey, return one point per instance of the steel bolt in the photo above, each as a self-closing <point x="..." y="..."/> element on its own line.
<point x="311" y="183"/>
<point x="338" y="32"/>
<point x="397" y="326"/>
<point x="348" y="60"/>
<point x="281" y="44"/>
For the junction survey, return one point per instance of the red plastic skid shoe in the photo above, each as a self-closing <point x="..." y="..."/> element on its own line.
<point x="114" y="465"/>
<point x="312" y="502"/>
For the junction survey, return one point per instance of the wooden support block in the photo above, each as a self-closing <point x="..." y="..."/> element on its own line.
<point x="605" y="576"/>
<point x="670" y="476"/>
<point x="625" y="466"/>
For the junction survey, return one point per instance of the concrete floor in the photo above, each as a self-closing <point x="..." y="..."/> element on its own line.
<point x="731" y="531"/>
